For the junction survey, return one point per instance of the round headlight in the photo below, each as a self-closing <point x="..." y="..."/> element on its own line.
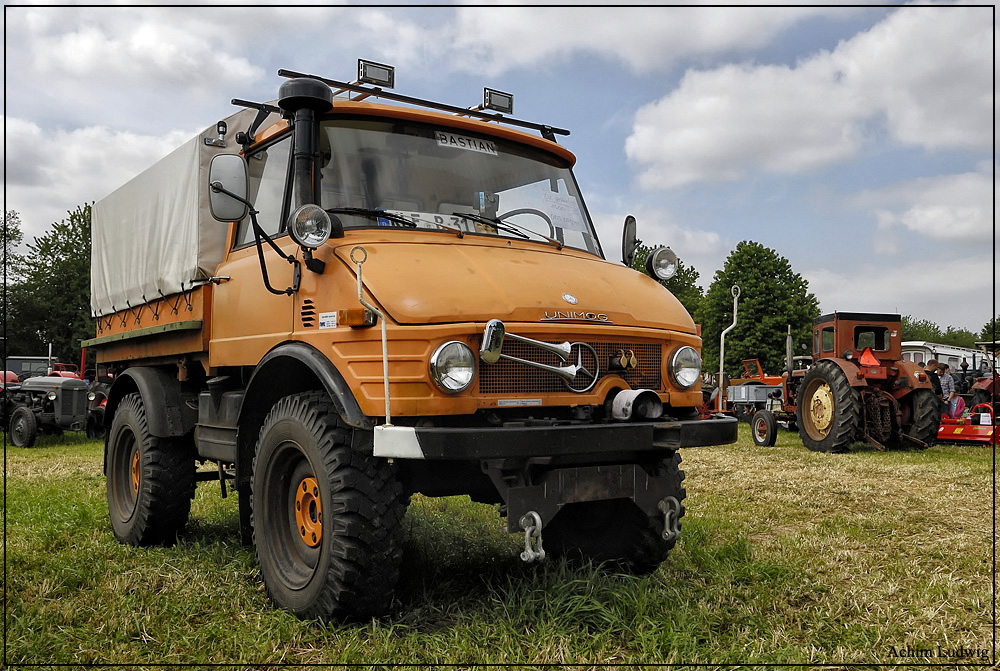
<point x="848" y="354"/>
<point x="51" y="395"/>
<point x="91" y="396"/>
<point x="453" y="365"/>
<point x="685" y="367"/>
<point x="662" y="263"/>
<point x="310" y="226"/>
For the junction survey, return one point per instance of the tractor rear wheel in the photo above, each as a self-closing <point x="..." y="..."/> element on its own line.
<point x="828" y="409"/>
<point x="921" y="417"/>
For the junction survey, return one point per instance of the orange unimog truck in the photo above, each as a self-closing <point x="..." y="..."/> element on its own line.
<point x="259" y="289"/>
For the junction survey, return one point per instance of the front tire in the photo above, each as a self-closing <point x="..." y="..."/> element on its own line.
<point x="616" y="533"/>
<point x="763" y="428"/>
<point x="326" y="519"/>
<point x="23" y="427"/>
<point x="828" y="409"/>
<point x="151" y="480"/>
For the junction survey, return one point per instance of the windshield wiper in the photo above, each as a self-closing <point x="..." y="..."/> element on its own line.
<point x="373" y="214"/>
<point x="489" y="221"/>
<point x="510" y="227"/>
<point x="390" y="216"/>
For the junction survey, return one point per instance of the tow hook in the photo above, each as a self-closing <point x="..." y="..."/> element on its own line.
<point x="671" y="508"/>
<point x="531" y="522"/>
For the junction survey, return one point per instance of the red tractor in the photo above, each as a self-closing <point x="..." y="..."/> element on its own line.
<point x="859" y="388"/>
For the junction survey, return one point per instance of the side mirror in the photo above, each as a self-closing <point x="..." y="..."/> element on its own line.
<point x="629" y="241"/>
<point x="228" y="173"/>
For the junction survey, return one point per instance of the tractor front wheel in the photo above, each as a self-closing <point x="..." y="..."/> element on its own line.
<point x="23" y="427"/>
<point x="763" y="428"/>
<point x="828" y="409"/>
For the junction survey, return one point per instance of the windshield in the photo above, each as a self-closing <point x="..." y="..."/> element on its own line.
<point x="429" y="177"/>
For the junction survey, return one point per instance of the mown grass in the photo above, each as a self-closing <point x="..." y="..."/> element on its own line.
<point x="786" y="556"/>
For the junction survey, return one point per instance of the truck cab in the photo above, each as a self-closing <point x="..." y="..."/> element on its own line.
<point x="408" y="299"/>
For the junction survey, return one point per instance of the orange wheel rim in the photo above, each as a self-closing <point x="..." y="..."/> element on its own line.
<point x="309" y="512"/>
<point x="135" y="471"/>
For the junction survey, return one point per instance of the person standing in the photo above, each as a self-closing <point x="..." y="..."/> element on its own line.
<point x="948" y="389"/>
<point x="932" y="375"/>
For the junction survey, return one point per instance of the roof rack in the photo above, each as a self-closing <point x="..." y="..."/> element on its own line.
<point x="548" y="132"/>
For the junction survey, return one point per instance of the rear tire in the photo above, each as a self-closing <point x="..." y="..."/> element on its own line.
<point x="326" y="519"/>
<point x="617" y="533"/>
<point x="151" y="480"/>
<point x="763" y="428"/>
<point x="828" y="409"/>
<point x="921" y="418"/>
<point x="23" y="427"/>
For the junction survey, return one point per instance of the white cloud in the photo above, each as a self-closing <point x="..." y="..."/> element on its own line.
<point x="954" y="209"/>
<point x="923" y="72"/>
<point x="133" y="45"/>
<point x="70" y="168"/>
<point x="957" y="292"/>
<point x="646" y="39"/>
<point x="702" y="249"/>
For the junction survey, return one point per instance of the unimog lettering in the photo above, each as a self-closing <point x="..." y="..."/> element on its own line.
<point x="365" y="326"/>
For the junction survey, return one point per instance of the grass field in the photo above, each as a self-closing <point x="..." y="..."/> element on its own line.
<point x="786" y="556"/>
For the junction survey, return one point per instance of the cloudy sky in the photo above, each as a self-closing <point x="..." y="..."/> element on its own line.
<point x="856" y="142"/>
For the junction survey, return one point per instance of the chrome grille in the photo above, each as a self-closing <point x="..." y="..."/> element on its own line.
<point x="511" y="377"/>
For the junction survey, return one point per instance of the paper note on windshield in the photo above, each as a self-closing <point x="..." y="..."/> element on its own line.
<point x="564" y="211"/>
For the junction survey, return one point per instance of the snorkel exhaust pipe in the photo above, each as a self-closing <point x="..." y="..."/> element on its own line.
<point x="301" y="99"/>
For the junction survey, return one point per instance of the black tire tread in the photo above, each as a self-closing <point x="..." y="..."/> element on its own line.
<point x="31" y="426"/>
<point x="366" y="517"/>
<point x="846" y="407"/>
<point x="167" y="486"/>
<point x="926" y="417"/>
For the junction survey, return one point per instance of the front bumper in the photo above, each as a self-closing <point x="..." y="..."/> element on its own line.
<point x="405" y="442"/>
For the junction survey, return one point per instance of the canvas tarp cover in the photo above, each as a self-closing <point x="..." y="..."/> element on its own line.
<point x="155" y="235"/>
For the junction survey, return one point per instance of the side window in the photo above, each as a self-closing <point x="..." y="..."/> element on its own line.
<point x="267" y="169"/>
<point x="827" y="339"/>
<point x="907" y="356"/>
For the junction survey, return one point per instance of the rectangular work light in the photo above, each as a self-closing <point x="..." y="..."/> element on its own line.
<point x="498" y="100"/>
<point x="370" y="72"/>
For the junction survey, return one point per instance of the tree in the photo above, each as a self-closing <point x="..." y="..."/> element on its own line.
<point x="51" y="302"/>
<point x="683" y="285"/>
<point x="991" y="330"/>
<point x="958" y="337"/>
<point x="924" y="329"/>
<point x="13" y="261"/>
<point x="772" y="297"/>
<point x="920" y="329"/>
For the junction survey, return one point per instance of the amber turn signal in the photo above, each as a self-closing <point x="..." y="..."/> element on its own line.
<point x="356" y="317"/>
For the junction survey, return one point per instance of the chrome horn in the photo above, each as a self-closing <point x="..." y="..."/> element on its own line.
<point x="491" y="350"/>
<point x="495" y="333"/>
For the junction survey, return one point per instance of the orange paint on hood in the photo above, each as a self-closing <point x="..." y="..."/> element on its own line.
<point x="470" y="280"/>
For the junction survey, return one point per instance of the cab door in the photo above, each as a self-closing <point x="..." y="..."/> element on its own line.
<point x="247" y="319"/>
